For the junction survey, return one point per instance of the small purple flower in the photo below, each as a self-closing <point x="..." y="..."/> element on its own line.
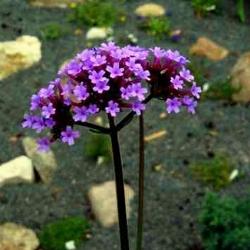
<point x="110" y="46"/>
<point x="131" y="63"/>
<point x="196" y="91"/>
<point x="126" y="93"/>
<point x="49" y="123"/>
<point x="173" y="105"/>
<point x="38" y="124"/>
<point x="69" y="135"/>
<point x="35" y="102"/>
<point x="56" y="82"/>
<point x="113" y="108"/>
<point x="80" y="114"/>
<point x="101" y="86"/>
<point x="191" y="107"/>
<point x="186" y="100"/>
<point x="48" y="110"/>
<point x="85" y="55"/>
<point x="67" y="101"/>
<point x="138" y="107"/>
<point x="186" y="75"/>
<point x="97" y="77"/>
<point x="43" y="144"/>
<point x="115" y="70"/>
<point x="28" y="121"/>
<point x="93" y="109"/>
<point x="143" y="74"/>
<point x="98" y="60"/>
<point x="66" y="90"/>
<point x="177" y="82"/>
<point x="46" y="92"/>
<point x="80" y="92"/>
<point x="117" y="54"/>
<point x="73" y="68"/>
<point x="138" y="91"/>
<point x="158" y="52"/>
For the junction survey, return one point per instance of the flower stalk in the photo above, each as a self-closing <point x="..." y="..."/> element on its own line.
<point x="120" y="193"/>
<point x="140" y="213"/>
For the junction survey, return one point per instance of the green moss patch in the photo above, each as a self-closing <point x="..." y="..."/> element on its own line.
<point x="54" y="235"/>
<point x="214" y="172"/>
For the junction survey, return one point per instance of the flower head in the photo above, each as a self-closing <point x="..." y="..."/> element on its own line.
<point x="110" y="79"/>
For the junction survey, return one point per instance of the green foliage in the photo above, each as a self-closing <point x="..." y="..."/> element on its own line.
<point x="52" y="31"/>
<point x="54" y="236"/>
<point x="214" y="172"/>
<point x="94" y="13"/>
<point x="225" y="223"/>
<point x="241" y="10"/>
<point x="202" y="7"/>
<point x="98" y="145"/>
<point x="221" y="90"/>
<point x="156" y="26"/>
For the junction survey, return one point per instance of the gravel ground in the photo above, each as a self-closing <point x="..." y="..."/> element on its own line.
<point x="172" y="196"/>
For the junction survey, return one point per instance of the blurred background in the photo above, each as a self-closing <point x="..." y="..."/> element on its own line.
<point x="197" y="179"/>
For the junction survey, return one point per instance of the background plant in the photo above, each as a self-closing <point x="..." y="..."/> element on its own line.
<point x="98" y="145"/>
<point x="241" y="10"/>
<point x="156" y="26"/>
<point x="214" y="172"/>
<point x="54" y="235"/>
<point x="221" y="90"/>
<point x="52" y="31"/>
<point x="202" y="7"/>
<point x="95" y="13"/>
<point x="225" y="223"/>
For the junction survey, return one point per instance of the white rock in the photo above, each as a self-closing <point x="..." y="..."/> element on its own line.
<point x="98" y="33"/>
<point x="54" y="3"/>
<point x="234" y="174"/>
<point x="17" y="237"/>
<point x="44" y="163"/>
<point x="17" y="170"/>
<point x="20" y="54"/>
<point x="103" y="202"/>
<point x="70" y="245"/>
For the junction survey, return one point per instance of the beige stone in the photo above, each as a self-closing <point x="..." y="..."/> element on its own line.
<point x="240" y="78"/>
<point x="150" y="10"/>
<point x="17" y="237"/>
<point x="208" y="48"/>
<point x="18" y="170"/>
<point x="44" y="162"/>
<point x="20" y="54"/>
<point x="54" y="3"/>
<point x="103" y="202"/>
<point x="7" y="245"/>
<point x="98" y="33"/>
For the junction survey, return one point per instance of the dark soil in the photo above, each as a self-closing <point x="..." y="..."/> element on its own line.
<point x="173" y="198"/>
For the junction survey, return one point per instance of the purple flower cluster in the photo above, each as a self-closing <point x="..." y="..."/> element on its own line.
<point x="111" y="79"/>
<point x="171" y="81"/>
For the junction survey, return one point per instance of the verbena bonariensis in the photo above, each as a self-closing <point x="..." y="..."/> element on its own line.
<point x="110" y="79"/>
